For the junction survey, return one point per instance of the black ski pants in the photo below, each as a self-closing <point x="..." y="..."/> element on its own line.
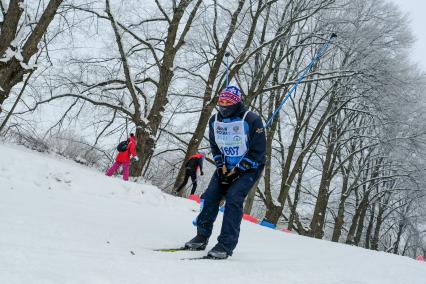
<point x="189" y="173"/>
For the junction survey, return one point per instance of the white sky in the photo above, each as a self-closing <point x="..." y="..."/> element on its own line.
<point x="416" y="10"/>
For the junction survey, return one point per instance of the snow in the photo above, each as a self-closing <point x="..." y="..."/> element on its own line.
<point x="61" y="222"/>
<point x="9" y="54"/>
<point x="26" y="66"/>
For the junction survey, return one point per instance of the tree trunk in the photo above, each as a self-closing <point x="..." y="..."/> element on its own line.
<point x="209" y="102"/>
<point x="148" y="135"/>
<point x="360" y="226"/>
<point x="379" y="222"/>
<point x="248" y="205"/>
<point x="346" y="190"/>
<point x="370" y="228"/>
<point x="339" y="220"/>
<point x="273" y="210"/>
<point x="398" y="237"/>
<point x="350" y="239"/>
<point x="291" y="166"/>
<point x="10" y="113"/>
<point x="10" y="24"/>
<point x="12" y="71"/>
<point x="291" y="219"/>
<point x="252" y="194"/>
<point x="318" y="218"/>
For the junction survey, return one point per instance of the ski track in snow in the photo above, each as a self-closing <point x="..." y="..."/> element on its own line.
<point x="64" y="223"/>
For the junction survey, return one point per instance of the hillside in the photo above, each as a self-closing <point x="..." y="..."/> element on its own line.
<point x="64" y="223"/>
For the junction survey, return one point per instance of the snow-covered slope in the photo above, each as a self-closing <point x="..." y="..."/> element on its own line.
<point x="64" y="223"/>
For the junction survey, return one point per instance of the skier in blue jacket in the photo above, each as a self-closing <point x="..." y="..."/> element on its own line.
<point x="237" y="140"/>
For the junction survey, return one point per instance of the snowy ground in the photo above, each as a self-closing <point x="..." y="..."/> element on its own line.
<point x="63" y="223"/>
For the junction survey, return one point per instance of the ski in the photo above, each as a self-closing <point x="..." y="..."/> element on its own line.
<point x="174" y="249"/>
<point x="202" y="257"/>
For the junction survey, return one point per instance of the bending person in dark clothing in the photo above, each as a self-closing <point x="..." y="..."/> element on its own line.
<point x="194" y="162"/>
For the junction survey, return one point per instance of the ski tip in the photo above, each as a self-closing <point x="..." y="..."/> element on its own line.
<point x="170" y="249"/>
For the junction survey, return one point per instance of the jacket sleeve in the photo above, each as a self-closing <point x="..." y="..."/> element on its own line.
<point x="217" y="155"/>
<point x="200" y="164"/>
<point x="132" y="149"/>
<point x="255" y="155"/>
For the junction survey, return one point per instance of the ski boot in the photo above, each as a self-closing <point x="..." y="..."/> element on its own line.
<point x="197" y="243"/>
<point x="218" y="252"/>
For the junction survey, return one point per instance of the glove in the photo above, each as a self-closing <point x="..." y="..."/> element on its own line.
<point x="202" y="173"/>
<point x="221" y="171"/>
<point x="136" y="158"/>
<point x="232" y="175"/>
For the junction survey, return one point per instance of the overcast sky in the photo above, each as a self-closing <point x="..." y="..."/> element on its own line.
<point x="416" y="10"/>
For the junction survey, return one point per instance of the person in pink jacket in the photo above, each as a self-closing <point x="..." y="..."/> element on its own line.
<point x="123" y="159"/>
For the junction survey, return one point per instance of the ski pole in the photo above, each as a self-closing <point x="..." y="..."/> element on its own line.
<point x="227" y="67"/>
<point x="302" y="76"/>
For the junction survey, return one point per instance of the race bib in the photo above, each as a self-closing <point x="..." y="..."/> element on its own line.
<point x="230" y="137"/>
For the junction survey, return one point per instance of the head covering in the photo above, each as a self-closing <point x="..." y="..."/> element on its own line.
<point x="132" y="138"/>
<point x="230" y="94"/>
<point x="231" y="110"/>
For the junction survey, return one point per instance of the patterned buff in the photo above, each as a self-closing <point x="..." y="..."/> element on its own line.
<point x="231" y="95"/>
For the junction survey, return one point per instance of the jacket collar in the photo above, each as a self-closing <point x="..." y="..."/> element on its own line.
<point x="239" y="112"/>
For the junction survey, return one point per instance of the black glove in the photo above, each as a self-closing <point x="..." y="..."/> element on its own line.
<point x="221" y="174"/>
<point x="232" y="175"/>
<point x="202" y="173"/>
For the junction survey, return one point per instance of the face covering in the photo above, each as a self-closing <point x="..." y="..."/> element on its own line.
<point x="227" y="111"/>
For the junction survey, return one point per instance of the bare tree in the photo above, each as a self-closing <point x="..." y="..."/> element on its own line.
<point x="19" y="43"/>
